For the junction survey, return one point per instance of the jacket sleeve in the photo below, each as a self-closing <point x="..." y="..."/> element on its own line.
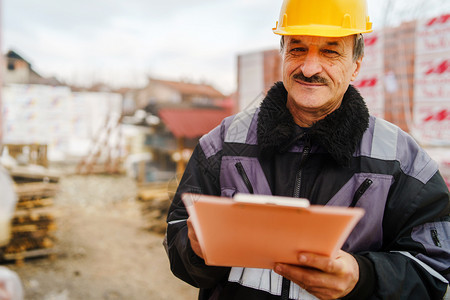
<point x="201" y="176"/>
<point x="415" y="260"/>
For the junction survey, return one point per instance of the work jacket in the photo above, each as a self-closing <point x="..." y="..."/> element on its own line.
<point x="348" y="159"/>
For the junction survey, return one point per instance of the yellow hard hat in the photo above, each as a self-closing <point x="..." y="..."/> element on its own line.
<point x="332" y="18"/>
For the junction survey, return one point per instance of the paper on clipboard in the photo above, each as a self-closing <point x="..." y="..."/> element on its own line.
<point x="258" y="231"/>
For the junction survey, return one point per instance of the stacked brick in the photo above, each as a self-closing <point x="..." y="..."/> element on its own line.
<point x="272" y="68"/>
<point x="399" y="53"/>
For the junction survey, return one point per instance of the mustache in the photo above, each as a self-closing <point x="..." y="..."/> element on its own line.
<point x="313" y="79"/>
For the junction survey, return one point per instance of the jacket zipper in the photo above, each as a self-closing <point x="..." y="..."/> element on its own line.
<point x="360" y="191"/>
<point x="435" y="237"/>
<point x="285" y="285"/>
<point x="241" y="171"/>
<point x="298" y="178"/>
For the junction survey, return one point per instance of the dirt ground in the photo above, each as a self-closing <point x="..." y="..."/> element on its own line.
<point x="104" y="250"/>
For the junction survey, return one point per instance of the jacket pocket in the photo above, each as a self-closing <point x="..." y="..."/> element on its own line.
<point x="241" y="171"/>
<point x="435" y="238"/>
<point x="244" y="175"/>
<point x="368" y="191"/>
<point x="361" y="190"/>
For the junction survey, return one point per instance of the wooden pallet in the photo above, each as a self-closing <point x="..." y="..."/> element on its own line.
<point x="32" y="224"/>
<point x="36" y="189"/>
<point x="47" y="226"/>
<point x="19" y="258"/>
<point x="34" y="203"/>
<point x="36" y="153"/>
<point x="35" y="214"/>
<point x="26" y="175"/>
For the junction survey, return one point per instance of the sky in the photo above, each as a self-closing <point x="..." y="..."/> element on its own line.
<point x="123" y="43"/>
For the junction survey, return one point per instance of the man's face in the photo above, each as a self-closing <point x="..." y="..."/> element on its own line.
<point x="317" y="72"/>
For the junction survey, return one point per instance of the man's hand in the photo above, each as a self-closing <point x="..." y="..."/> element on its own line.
<point x="324" y="277"/>
<point x="193" y="239"/>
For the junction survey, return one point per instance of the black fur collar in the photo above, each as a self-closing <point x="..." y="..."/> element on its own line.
<point x="339" y="133"/>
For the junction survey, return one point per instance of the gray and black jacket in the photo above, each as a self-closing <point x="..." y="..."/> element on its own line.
<point x="349" y="158"/>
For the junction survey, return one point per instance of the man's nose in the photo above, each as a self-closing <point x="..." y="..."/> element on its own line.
<point x="311" y="65"/>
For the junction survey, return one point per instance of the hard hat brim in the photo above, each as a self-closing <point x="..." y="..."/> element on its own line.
<point x="318" y="30"/>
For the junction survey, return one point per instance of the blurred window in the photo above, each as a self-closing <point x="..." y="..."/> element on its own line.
<point x="11" y="66"/>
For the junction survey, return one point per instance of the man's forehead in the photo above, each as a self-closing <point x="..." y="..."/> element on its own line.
<point x="321" y="40"/>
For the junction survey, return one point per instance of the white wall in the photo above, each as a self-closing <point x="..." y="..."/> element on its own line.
<point x="55" y="116"/>
<point x="251" y="80"/>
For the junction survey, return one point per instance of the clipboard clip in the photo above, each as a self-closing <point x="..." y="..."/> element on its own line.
<point x="271" y="200"/>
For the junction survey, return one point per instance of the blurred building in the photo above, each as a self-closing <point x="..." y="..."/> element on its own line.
<point x="18" y="70"/>
<point x="154" y="128"/>
<point x="257" y="72"/>
<point x="171" y="117"/>
<point x="176" y="92"/>
<point x="40" y="111"/>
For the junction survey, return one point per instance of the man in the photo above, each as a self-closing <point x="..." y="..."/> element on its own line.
<point x="313" y="137"/>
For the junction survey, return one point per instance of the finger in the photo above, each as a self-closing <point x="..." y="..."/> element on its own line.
<point x="191" y="229"/>
<point x="305" y="277"/>
<point x="195" y="245"/>
<point x="320" y="262"/>
<point x="320" y="284"/>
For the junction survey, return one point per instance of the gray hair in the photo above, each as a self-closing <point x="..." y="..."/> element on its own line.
<point x="358" y="49"/>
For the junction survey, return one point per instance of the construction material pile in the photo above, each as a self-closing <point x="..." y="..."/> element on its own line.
<point x="33" y="222"/>
<point x="156" y="199"/>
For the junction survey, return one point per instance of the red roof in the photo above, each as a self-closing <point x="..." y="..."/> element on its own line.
<point x="191" y="123"/>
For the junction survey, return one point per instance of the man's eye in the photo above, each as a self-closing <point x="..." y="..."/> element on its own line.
<point x="329" y="52"/>
<point x="299" y="50"/>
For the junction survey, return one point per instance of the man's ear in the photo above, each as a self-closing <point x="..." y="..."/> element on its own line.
<point x="357" y="67"/>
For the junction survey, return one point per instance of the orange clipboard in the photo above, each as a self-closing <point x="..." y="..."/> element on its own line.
<point x="257" y="231"/>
